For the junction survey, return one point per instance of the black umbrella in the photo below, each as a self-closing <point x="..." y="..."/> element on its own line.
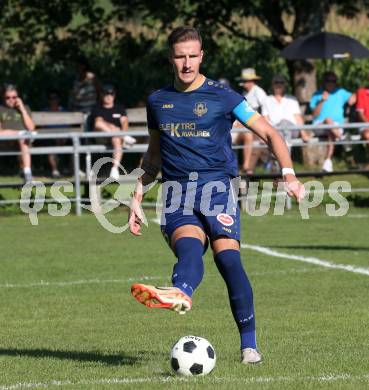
<point x="324" y="45"/>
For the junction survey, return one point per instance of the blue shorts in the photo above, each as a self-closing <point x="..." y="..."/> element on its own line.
<point x="214" y="208"/>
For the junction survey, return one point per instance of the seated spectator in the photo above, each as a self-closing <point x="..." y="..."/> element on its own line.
<point x="327" y="105"/>
<point x="15" y="118"/>
<point x="281" y="109"/>
<point x="362" y="108"/>
<point x="255" y="97"/>
<point x="110" y="116"/>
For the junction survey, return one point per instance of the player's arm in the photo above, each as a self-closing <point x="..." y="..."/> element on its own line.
<point x="151" y="165"/>
<point x="261" y="127"/>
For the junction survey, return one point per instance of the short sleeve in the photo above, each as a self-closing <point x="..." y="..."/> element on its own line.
<point x="261" y="96"/>
<point x="360" y="104"/>
<point x="295" y="108"/>
<point x="29" y="112"/>
<point x="245" y="114"/>
<point x="314" y="100"/>
<point x="230" y="99"/>
<point x="345" y="95"/>
<point x="152" y="123"/>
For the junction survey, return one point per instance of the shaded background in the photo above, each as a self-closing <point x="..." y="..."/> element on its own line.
<point x="125" y="42"/>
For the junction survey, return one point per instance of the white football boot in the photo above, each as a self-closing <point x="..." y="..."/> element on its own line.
<point x="250" y="356"/>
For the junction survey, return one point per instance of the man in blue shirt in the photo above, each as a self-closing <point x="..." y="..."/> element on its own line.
<point x="190" y="142"/>
<point x="327" y="105"/>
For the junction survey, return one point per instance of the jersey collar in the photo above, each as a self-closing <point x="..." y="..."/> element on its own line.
<point x="197" y="84"/>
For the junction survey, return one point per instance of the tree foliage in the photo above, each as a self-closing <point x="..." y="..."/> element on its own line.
<point x="125" y="40"/>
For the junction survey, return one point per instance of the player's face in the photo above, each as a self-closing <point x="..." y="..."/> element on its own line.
<point x="186" y="58"/>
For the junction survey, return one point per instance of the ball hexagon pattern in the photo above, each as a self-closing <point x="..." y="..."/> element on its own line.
<point x="192" y="355"/>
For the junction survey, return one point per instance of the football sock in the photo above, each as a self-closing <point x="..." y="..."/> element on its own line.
<point x="189" y="269"/>
<point x="240" y="294"/>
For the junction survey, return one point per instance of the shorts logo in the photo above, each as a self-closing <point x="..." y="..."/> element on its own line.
<point x="200" y="109"/>
<point x="167" y="106"/>
<point x="225" y="219"/>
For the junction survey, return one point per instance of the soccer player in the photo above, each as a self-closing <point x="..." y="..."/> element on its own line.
<point x="190" y="142"/>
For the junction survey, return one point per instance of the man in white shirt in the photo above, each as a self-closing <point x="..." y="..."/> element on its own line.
<point x="281" y="109"/>
<point x="255" y="97"/>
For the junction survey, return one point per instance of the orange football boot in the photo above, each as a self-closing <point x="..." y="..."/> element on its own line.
<point x="171" y="298"/>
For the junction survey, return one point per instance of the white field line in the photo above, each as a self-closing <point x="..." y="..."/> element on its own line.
<point x="43" y="283"/>
<point x="174" y="379"/>
<point x="310" y="260"/>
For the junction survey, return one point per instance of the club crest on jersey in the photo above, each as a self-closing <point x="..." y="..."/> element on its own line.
<point x="200" y="109"/>
<point x="225" y="219"/>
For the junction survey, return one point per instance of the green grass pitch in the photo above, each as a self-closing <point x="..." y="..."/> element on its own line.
<point x="68" y="321"/>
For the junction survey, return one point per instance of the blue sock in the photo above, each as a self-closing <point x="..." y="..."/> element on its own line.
<point x="240" y="294"/>
<point x="189" y="269"/>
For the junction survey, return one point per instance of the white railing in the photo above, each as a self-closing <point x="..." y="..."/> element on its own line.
<point x="77" y="149"/>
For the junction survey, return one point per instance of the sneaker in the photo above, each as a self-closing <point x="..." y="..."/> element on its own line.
<point x="114" y="173"/>
<point x="328" y="165"/>
<point x="250" y="356"/>
<point x="81" y="174"/>
<point x="128" y="141"/>
<point x="27" y="177"/>
<point x="162" y="297"/>
<point x="55" y="174"/>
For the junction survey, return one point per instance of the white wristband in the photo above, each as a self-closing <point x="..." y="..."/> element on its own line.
<point x="288" y="171"/>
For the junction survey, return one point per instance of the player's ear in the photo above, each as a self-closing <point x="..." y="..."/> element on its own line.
<point x="201" y="55"/>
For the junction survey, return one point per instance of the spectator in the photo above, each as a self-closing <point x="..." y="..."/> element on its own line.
<point x="53" y="105"/>
<point x="86" y="88"/>
<point x="281" y="109"/>
<point x="327" y="105"/>
<point x="255" y="96"/>
<point x="362" y="108"/>
<point x="16" y="118"/>
<point x="110" y="116"/>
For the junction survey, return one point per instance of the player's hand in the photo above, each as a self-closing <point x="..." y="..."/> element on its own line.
<point x="134" y="217"/>
<point x="294" y="188"/>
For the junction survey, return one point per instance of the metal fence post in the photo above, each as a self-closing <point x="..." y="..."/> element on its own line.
<point x="77" y="180"/>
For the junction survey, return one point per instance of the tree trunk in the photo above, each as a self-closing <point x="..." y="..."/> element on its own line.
<point x="303" y="77"/>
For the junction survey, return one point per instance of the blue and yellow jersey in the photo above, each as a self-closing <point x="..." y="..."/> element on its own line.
<point x="195" y="130"/>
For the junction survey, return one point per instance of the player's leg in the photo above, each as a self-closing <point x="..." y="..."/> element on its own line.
<point x="187" y="241"/>
<point x="223" y="230"/>
<point x="228" y="261"/>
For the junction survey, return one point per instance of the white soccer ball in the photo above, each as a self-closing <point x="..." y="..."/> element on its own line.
<point x="192" y="355"/>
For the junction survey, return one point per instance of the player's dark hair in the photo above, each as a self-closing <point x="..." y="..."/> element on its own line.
<point x="183" y="34"/>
